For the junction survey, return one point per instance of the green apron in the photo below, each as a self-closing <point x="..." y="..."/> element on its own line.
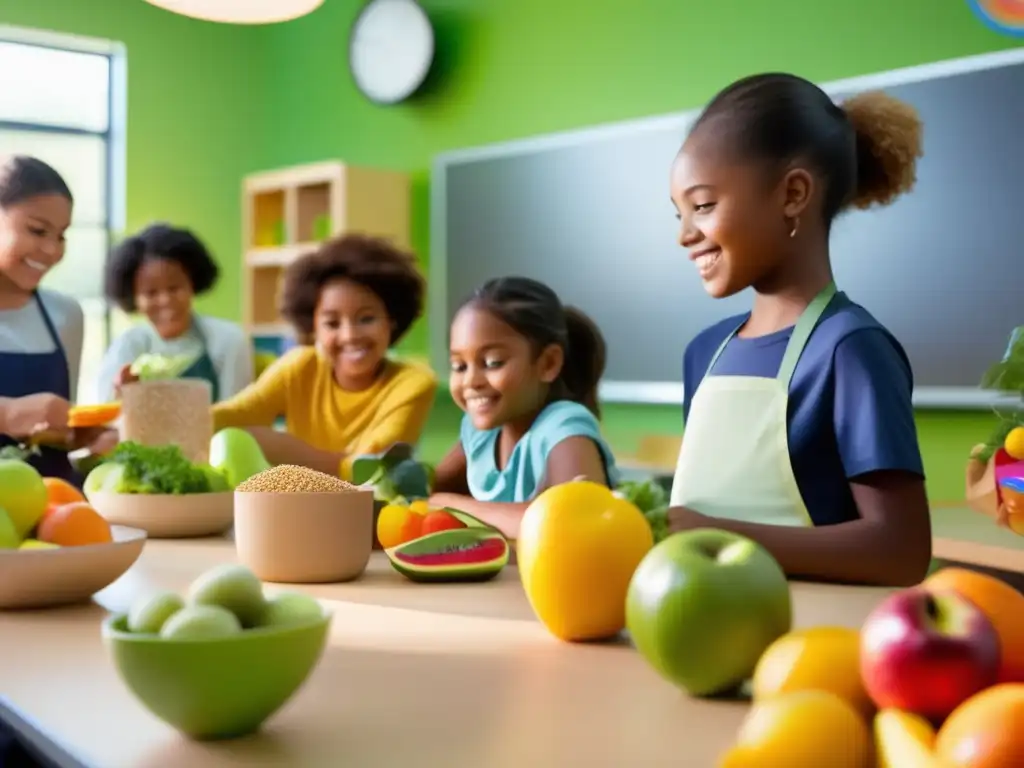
<point x="734" y="462"/>
<point x="203" y="367"/>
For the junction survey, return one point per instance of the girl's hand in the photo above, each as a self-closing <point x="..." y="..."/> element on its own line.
<point x="99" y="440"/>
<point x="23" y="417"/>
<point x="686" y="519"/>
<point x="440" y="500"/>
<point x="124" y="376"/>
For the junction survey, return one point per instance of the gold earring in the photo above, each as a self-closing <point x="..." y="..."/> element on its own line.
<point x="796" y="226"/>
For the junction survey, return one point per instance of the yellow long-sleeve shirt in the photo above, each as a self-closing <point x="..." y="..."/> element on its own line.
<point x="300" y="386"/>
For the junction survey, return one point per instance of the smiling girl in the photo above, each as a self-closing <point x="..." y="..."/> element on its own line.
<point x="40" y="330"/>
<point x="341" y="397"/>
<point x="525" y="371"/>
<point x="799" y="428"/>
<point x="159" y="272"/>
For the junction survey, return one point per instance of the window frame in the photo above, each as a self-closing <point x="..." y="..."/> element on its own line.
<point x="114" y="135"/>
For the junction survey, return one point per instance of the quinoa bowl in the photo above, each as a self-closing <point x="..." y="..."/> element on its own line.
<point x="298" y="526"/>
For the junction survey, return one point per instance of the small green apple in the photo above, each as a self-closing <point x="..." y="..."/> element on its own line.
<point x="702" y="607"/>
<point x="200" y="622"/>
<point x="22" y="495"/>
<point x="291" y="608"/>
<point x="233" y="587"/>
<point x="237" y="455"/>
<point x="148" y="616"/>
<point x="9" y="538"/>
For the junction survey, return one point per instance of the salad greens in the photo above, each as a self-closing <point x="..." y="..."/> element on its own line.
<point x="155" y="470"/>
<point x="651" y="498"/>
<point x="151" y="367"/>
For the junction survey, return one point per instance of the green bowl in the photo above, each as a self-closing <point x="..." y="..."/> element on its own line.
<point x="216" y="689"/>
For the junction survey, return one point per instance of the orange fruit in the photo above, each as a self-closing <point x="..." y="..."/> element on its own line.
<point x="816" y="659"/>
<point x="1001" y="603"/>
<point x="60" y="491"/>
<point x="75" y="525"/>
<point x="986" y="731"/>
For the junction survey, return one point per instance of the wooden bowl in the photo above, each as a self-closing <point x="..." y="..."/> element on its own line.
<point x="304" y="538"/>
<point x="166" y="516"/>
<point x="43" y="578"/>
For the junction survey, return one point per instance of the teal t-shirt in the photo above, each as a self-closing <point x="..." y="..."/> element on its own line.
<point x="524" y="472"/>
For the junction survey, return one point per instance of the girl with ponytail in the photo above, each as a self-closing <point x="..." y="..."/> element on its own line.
<point x="525" y="370"/>
<point x="799" y="426"/>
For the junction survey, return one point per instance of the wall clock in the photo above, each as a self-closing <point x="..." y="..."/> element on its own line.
<point x="391" y="49"/>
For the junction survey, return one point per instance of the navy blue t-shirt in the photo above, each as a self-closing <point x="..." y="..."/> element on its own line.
<point x="850" y="409"/>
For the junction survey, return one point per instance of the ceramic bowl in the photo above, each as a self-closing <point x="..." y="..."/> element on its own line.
<point x="221" y="688"/>
<point x="44" y="578"/>
<point x="167" y="516"/>
<point x="304" y="538"/>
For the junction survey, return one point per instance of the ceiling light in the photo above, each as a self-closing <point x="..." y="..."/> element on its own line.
<point x="240" y="11"/>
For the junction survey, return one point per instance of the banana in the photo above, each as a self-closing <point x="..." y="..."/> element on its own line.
<point x="904" y="740"/>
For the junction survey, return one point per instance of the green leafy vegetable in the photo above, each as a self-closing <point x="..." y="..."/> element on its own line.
<point x="394" y="474"/>
<point x="151" y="367"/>
<point x="157" y="470"/>
<point x="651" y="498"/>
<point x="1005" y="376"/>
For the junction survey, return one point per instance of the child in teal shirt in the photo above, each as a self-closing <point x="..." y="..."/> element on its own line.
<point x="525" y="370"/>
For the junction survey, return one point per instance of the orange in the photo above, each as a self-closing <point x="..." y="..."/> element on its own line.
<point x="74" y="525"/>
<point x="60" y="491"/>
<point x="816" y="659"/>
<point x="578" y="548"/>
<point x="397" y="524"/>
<point x="1001" y="603"/>
<point x="440" y="520"/>
<point x="986" y="731"/>
<point x="93" y="415"/>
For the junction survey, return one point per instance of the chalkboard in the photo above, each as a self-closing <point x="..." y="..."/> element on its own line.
<point x="588" y="212"/>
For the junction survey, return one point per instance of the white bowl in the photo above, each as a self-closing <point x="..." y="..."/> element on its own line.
<point x="168" y="516"/>
<point x="43" y="578"/>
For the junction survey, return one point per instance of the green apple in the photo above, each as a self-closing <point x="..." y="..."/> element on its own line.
<point x="105" y="477"/>
<point x="148" y="616"/>
<point x="237" y="455"/>
<point x="9" y="538"/>
<point x="234" y="588"/>
<point x="703" y="606"/>
<point x="218" y="483"/>
<point x="200" y="622"/>
<point x="22" y="495"/>
<point x="291" y="608"/>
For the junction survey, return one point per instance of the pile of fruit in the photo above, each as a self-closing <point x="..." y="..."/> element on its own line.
<point x="45" y="513"/>
<point x="222" y="602"/>
<point x="934" y="677"/>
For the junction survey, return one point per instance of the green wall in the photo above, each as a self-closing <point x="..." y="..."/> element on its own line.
<point x="512" y="68"/>
<point x="193" y="116"/>
<point x="208" y="103"/>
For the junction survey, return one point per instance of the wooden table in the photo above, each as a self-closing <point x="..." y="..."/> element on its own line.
<point x="440" y="676"/>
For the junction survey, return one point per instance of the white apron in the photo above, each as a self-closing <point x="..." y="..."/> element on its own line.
<point x="734" y="462"/>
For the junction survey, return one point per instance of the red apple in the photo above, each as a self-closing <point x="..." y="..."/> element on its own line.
<point x="927" y="652"/>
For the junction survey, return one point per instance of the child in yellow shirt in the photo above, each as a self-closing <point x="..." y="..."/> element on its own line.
<point x="342" y="397"/>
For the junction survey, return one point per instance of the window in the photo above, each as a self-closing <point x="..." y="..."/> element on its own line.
<point x="63" y="102"/>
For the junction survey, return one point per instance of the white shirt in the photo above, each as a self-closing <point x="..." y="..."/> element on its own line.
<point x="226" y="344"/>
<point x="24" y="330"/>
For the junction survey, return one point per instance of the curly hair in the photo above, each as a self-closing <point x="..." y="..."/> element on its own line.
<point x="534" y="311"/>
<point x="372" y="262"/>
<point x="158" y="241"/>
<point x="864" y="151"/>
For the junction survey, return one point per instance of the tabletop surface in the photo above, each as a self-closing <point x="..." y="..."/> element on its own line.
<point x="437" y="675"/>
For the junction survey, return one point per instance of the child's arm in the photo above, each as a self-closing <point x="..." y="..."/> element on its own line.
<point x="572" y="458"/>
<point x="450" y="474"/>
<point x="873" y="423"/>
<point x="889" y="545"/>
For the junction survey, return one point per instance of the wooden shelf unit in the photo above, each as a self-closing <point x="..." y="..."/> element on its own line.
<point x="287" y="212"/>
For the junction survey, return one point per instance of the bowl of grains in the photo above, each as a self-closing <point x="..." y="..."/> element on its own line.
<point x="298" y="526"/>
